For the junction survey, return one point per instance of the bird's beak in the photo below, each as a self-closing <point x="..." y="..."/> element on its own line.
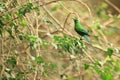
<point x="73" y="18"/>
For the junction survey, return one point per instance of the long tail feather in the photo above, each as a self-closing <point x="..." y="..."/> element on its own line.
<point x="87" y="38"/>
<point x="89" y="41"/>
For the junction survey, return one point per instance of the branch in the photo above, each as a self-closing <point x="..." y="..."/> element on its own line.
<point x="81" y="2"/>
<point x="111" y="4"/>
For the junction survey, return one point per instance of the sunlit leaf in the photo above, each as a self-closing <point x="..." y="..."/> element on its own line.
<point x="53" y="66"/>
<point x="104" y="5"/>
<point x="46" y="73"/>
<point x="8" y="71"/>
<point x="8" y="17"/>
<point x="70" y="79"/>
<point x="109" y="52"/>
<point x="106" y="76"/>
<point x="12" y="61"/>
<point x="39" y="59"/>
<point x="24" y="23"/>
<point x="97" y="63"/>
<point x="2" y="6"/>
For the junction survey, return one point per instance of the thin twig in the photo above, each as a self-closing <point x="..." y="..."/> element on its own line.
<point x="111" y="4"/>
<point x="1" y="46"/>
<point x="55" y="20"/>
<point x="66" y="20"/>
<point x="52" y="17"/>
<point x="108" y="22"/>
<point x="91" y="59"/>
<point x="81" y="2"/>
<point x="102" y="49"/>
<point x="65" y="8"/>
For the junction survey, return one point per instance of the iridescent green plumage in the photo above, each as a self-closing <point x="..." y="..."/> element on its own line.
<point x="81" y="30"/>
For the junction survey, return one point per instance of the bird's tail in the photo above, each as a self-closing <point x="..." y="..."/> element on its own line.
<point x="90" y="42"/>
<point x="87" y="38"/>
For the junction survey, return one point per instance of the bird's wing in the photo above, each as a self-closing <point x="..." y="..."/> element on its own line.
<point x="82" y="30"/>
<point x="85" y="32"/>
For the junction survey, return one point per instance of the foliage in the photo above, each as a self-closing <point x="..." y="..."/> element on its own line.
<point x="69" y="44"/>
<point x="37" y="42"/>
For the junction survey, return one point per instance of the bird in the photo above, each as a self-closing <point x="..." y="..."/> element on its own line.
<point x="79" y="28"/>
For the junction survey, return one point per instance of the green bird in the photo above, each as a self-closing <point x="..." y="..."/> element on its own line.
<point x="81" y="30"/>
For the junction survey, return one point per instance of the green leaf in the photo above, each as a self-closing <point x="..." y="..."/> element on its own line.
<point x="116" y="17"/>
<point x="36" y="9"/>
<point x="8" y="71"/>
<point x="106" y="76"/>
<point x="97" y="69"/>
<point x="48" y="21"/>
<point x="2" y="7"/>
<point x="46" y="73"/>
<point x="20" y="75"/>
<point x="31" y="38"/>
<point x="53" y="66"/>
<point x="96" y="38"/>
<point x="8" y="17"/>
<point x="112" y="30"/>
<point x="10" y="33"/>
<point x="56" y="38"/>
<point x="54" y="8"/>
<point x="104" y="5"/>
<point x="69" y="44"/>
<point x="70" y="79"/>
<point x="86" y="66"/>
<point x="33" y="41"/>
<point x="22" y="11"/>
<point x="39" y="59"/>
<point x="21" y="37"/>
<point x="0" y="32"/>
<point x="101" y="11"/>
<point x="117" y="68"/>
<point x="109" y="52"/>
<point x="15" y="25"/>
<point x="97" y="63"/>
<point x="24" y="23"/>
<point x="12" y="61"/>
<point x="1" y="23"/>
<point x="30" y="6"/>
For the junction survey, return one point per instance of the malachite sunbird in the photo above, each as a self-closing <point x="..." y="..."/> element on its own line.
<point x="81" y="30"/>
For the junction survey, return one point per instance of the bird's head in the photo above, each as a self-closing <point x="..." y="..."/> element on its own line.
<point x="75" y="19"/>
